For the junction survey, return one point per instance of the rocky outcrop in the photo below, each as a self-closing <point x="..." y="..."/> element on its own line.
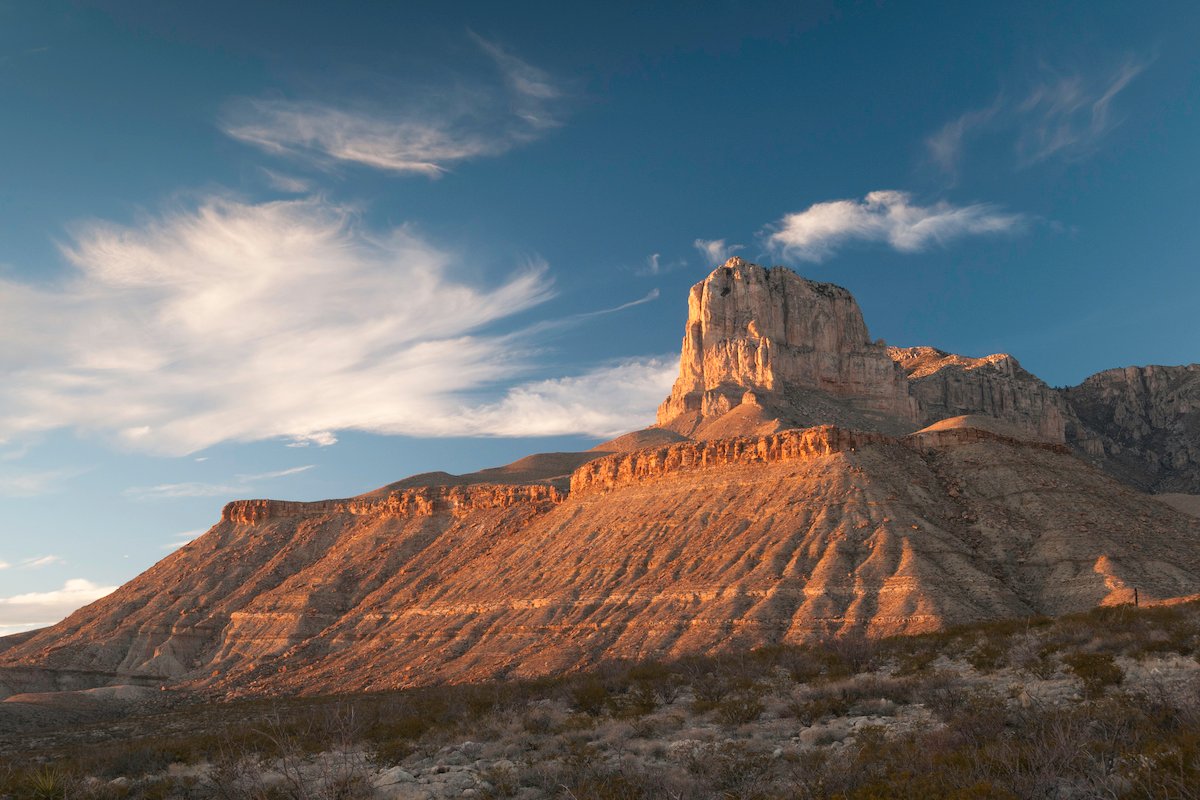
<point x="1141" y="424"/>
<point x="769" y="338"/>
<point x="420" y="501"/>
<point x="947" y="385"/>
<point x="691" y="547"/>
<point x="644" y="465"/>
<point x="765" y="350"/>
<point x="748" y="534"/>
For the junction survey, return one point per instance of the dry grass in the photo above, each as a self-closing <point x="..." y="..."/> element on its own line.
<point x="1105" y="704"/>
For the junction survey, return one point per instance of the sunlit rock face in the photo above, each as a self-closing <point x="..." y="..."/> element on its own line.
<point x="948" y="385"/>
<point x="787" y="494"/>
<point x="796" y="348"/>
<point x="690" y="547"/>
<point x="1141" y="424"/>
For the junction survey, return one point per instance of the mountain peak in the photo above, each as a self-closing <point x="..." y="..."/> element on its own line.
<point x="782" y="351"/>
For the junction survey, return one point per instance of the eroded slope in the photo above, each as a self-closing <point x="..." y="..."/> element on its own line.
<point x="690" y="547"/>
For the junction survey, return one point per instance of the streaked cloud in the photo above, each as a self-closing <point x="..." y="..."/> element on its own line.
<point x="37" y="562"/>
<point x="413" y="137"/>
<point x="286" y="183"/>
<point x="655" y="264"/>
<point x="182" y="538"/>
<point x="38" y="609"/>
<point x="243" y="322"/>
<point x="239" y="485"/>
<point x="888" y="217"/>
<point x="946" y="146"/>
<point x="716" y="251"/>
<point x="1069" y="115"/>
<point x="606" y="401"/>
<point x="1061" y="115"/>
<point x="32" y="483"/>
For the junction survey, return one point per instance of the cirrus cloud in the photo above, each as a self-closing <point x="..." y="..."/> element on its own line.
<point x="889" y="217"/>
<point x="235" y="321"/>
<point x="414" y="137"/>
<point x="240" y="322"/>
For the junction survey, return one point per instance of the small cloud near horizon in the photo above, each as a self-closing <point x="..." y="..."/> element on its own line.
<point x="716" y="251"/>
<point x="240" y="484"/>
<point x="38" y="609"/>
<point x="889" y="217"/>
<point x="656" y="265"/>
<point x="182" y="538"/>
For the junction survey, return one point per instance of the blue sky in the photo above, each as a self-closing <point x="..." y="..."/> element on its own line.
<point x="303" y="250"/>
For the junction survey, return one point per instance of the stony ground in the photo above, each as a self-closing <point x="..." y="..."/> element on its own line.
<point x="1099" y="705"/>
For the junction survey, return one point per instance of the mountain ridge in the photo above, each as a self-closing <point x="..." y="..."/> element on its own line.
<point x="740" y="520"/>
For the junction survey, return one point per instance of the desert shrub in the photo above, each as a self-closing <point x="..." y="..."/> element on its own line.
<point x="979" y="718"/>
<point x="590" y="696"/>
<point x="849" y="654"/>
<point x="740" y="708"/>
<point x="504" y="782"/>
<point x="45" y="782"/>
<point x="1095" y="671"/>
<point x="732" y="768"/>
<point x="537" y="722"/>
<point x="941" y="692"/>
<point x="602" y="783"/>
<point x="988" y="655"/>
<point x="1033" y="656"/>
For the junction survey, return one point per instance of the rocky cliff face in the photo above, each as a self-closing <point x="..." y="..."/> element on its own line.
<point x="947" y="385"/>
<point x="680" y="548"/>
<point x="1141" y="424"/>
<point x="773" y="340"/>
<point x="421" y="501"/>
<point x="765" y="350"/>
<point x="650" y="546"/>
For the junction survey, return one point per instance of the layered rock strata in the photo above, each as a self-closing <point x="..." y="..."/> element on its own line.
<point x="766" y="350"/>
<point x="769" y="338"/>
<point x="947" y="385"/>
<point x="690" y="547"/>
<point x="1141" y="424"/>
<point x="421" y="501"/>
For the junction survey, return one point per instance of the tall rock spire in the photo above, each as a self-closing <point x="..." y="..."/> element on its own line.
<point x="780" y="351"/>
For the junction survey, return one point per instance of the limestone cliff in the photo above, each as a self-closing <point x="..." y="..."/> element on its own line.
<point x="674" y="549"/>
<point x="1142" y="424"/>
<point x="799" y="350"/>
<point x="947" y="385"/>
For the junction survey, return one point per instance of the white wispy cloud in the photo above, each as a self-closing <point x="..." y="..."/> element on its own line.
<point x="243" y="322"/>
<point x="4" y="565"/>
<point x="33" y="483"/>
<point x="1069" y="114"/>
<point x="1061" y="115"/>
<point x="38" y="609"/>
<point x="286" y="183"/>
<point x="606" y="401"/>
<point x="884" y="216"/>
<point x="415" y="137"/>
<point x="38" y="562"/>
<point x="318" y="439"/>
<point x="239" y="485"/>
<point x="716" y="251"/>
<point x="946" y="146"/>
<point x="182" y="538"/>
<point x="655" y="264"/>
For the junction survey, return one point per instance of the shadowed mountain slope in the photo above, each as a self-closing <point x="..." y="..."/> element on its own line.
<point x="766" y="525"/>
<point x="691" y="547"/>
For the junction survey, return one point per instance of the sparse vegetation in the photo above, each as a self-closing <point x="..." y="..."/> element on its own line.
<point x="1104" y="704"/>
